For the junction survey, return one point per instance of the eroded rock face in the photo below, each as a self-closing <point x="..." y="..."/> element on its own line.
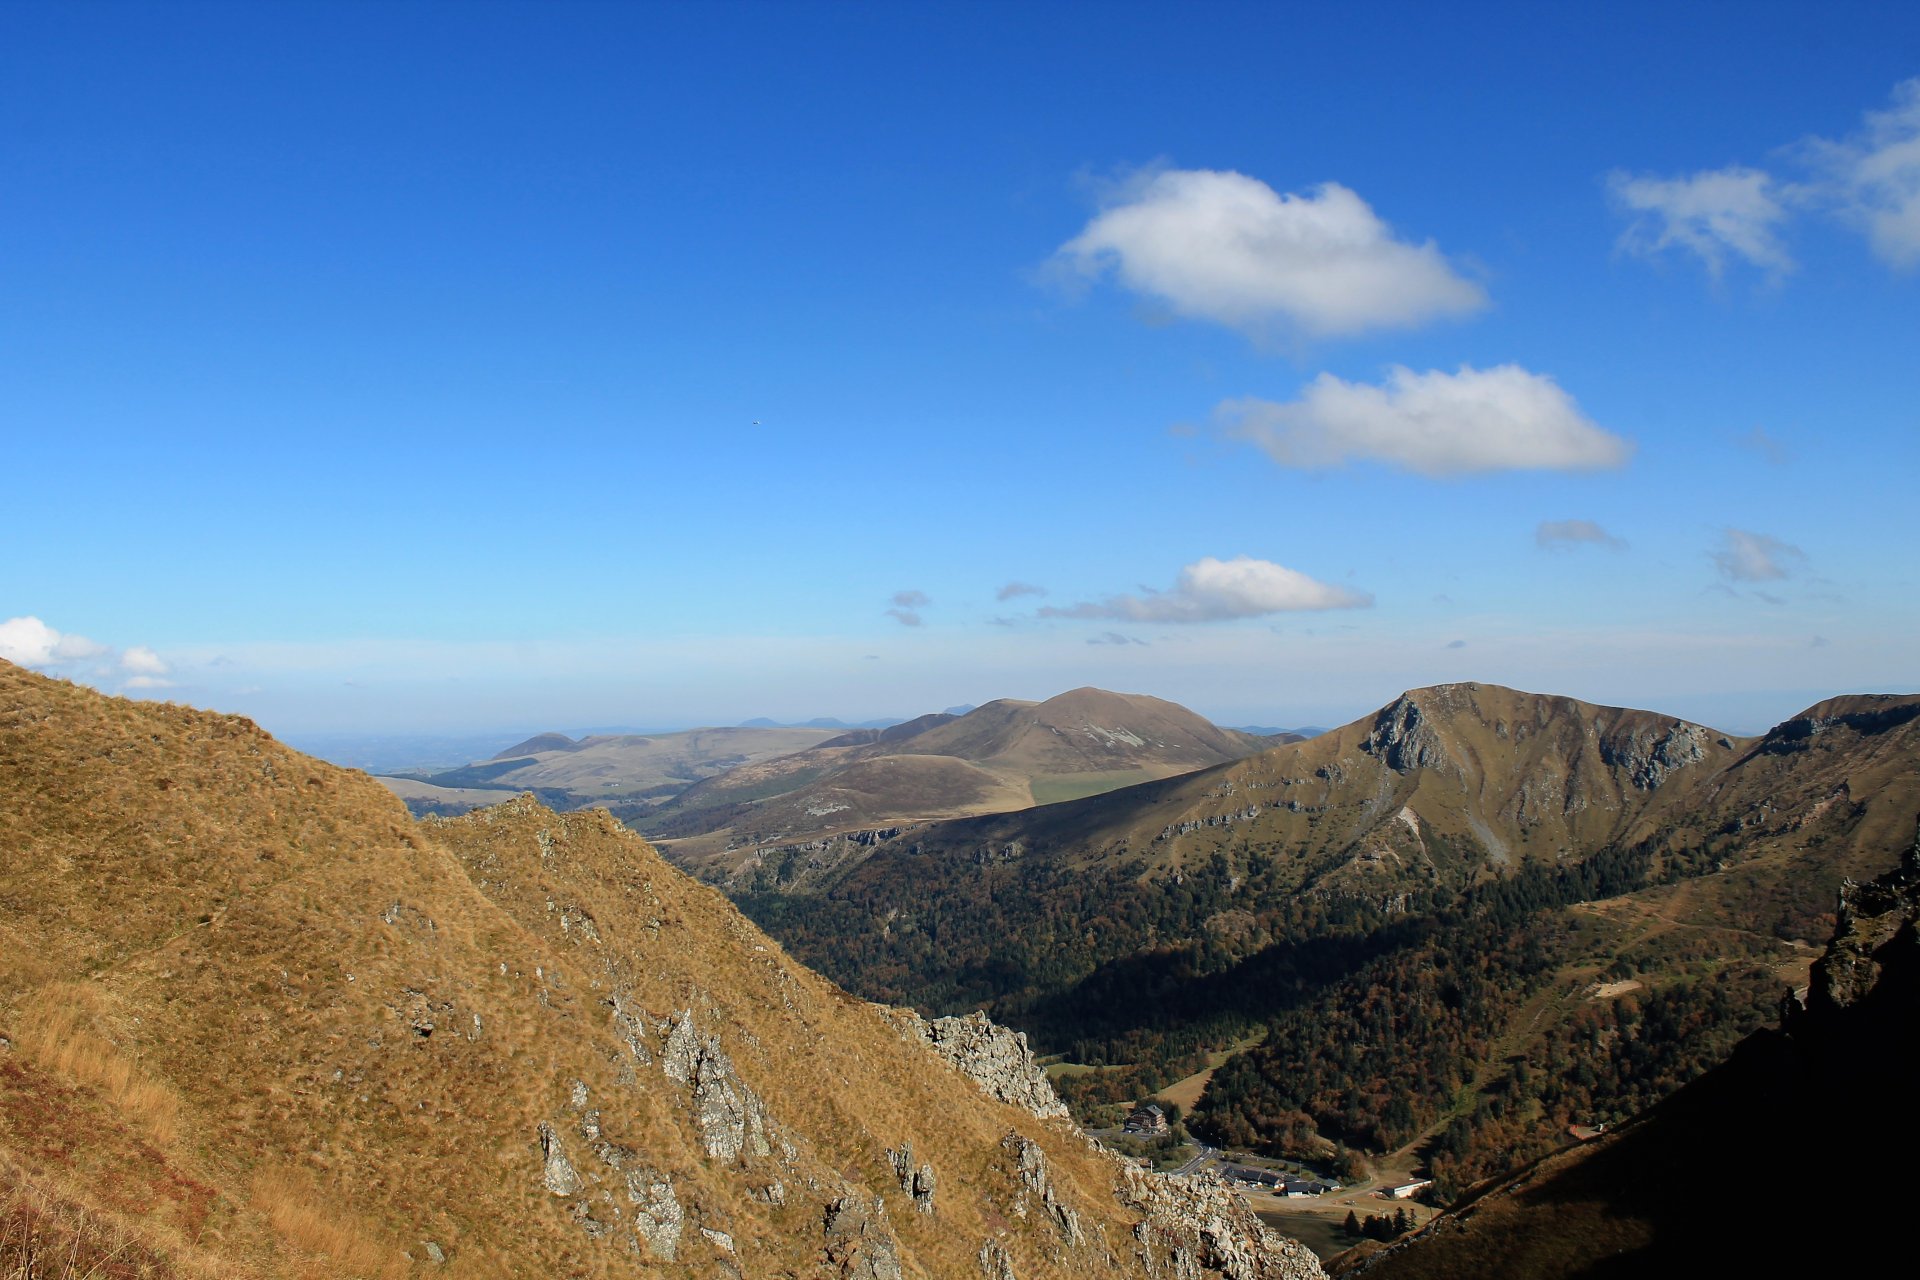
<point x="1649" y="759"/>
<point x="730" y="1116"/>
<point x="858" y="1244"/>
<point x="995" y="1264"/>
<point x="1196" y="1227"/>
<point x="658" y="1218"/>
<point x="1872" y="921"/>
<point x="1404" y="740"/>
<point x="561" y="1178"/>
<point x="918" y="1183"/>
<point x="1030" y="1168"/>
<point x="994" y="1057"/>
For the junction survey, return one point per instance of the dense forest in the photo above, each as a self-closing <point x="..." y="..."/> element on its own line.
<point x="1379" y="1017"/>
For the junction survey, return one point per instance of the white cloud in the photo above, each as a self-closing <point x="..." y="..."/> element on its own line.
<point x="1714" y="213"/>
<point x="1225" y="247"/>
<point x="1875" y="176"/>
<point x="143" y="662"/>
<point x="1209" y="590"/>
<point x="1013" y="589"/>
<point x="1755" y="557"/>
<point x="1434" y="423"/>
<point x="149" y="682"/>
<point x="1560" y="535"/>
<point x="29" y="642"/>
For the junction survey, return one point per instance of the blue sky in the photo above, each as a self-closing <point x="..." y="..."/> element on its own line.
<point x="425" y="367"/>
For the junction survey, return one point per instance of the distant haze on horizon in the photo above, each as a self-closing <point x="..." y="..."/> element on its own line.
<point x="441" y="369"/>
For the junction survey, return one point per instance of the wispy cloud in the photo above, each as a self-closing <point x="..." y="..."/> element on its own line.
<point x="1870" y="181"/>
<point x="1210" y="590"/>
<point x="1434" y="423"/>
<point x="1713" y="214"/>
<point x="1874" y="177"/>
<point x="1758" y="441"/>
<point x="1014" y="590"/>
<point x="1114" y="637"/>
<point x="907" y="606"/>
<point x="1744" y="556"/>
<point x="1221" y="246"/>
<point x="1563" y="535"/>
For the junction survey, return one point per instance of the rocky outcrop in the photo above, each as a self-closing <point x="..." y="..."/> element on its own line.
<point x="1035" y="1183"/>
<point x="1403" y="737"/>
<point x="731" y="1118"/>
<point x="995" y="1264"/>
<point x="858" y="1244"/>
<point x="994" y="1057"/>
<point x="1649" y="757"/>
<point x="1195" y="1227"/>
<point x="558" y="1173"/>
<point x="1875" y="929"/>
<point x="918" y="1183"/>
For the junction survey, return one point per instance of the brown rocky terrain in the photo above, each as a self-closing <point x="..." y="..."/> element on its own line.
<point x="254" y="1021"/>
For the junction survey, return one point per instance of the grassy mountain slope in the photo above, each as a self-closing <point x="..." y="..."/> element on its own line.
<point x="256" y="1021"/>
<point x="1005" y="755"/>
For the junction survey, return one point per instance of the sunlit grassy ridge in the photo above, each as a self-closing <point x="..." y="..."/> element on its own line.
<point x="258" y="1022"/>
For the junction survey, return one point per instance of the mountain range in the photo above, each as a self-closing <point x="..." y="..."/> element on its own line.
<point x="1412" y="917"/>
<point x="256" y="1021"/>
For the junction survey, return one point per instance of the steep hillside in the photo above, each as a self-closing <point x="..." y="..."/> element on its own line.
<point x="1418" y="914"/>
<point x="1006" y="755"/>
<point x="1817" y="1103"/>
<point x="628" y="773"/>
<point x="256" y="1021"/>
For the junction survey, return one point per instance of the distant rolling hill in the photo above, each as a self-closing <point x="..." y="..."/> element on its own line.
<point x="627" y="772"/>
<point x="1006" y="755"/>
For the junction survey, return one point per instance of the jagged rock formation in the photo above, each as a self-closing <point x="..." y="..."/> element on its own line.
<point x="1201" y="1227"/>
<point x="258" y="1022"/>
<point x="994" y="1057"/>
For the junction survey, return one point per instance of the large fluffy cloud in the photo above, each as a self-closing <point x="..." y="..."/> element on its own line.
<point x="1714" y="213"/>
<point x="29" y="642"/>
<point x="1225" y="247"/>
<point x="1434" y="423"/>
<point x="1209" y="590"/>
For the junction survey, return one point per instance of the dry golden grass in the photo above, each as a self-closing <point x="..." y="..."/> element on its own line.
<point x="276" y="1028"/>
<point x="296" y="1209"/>
<point x="47" y="1236"/>
<point x="54" y="1031"/>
